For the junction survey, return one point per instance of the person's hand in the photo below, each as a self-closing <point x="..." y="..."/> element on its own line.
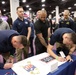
<point x="68" y="58"/>
<point x="27" y="39"/>
<point x="8" y="65"/>
<point x="28" y="42"/>
<point x="11" y="58"/>
<point x="61" y="59"/>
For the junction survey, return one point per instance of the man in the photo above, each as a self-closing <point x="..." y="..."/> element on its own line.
<point x="38" y="14"/>
<point x="42" y="29"/>
<point x="64" y="36"/>
<point x="4" y="25"/>
<point x="22" y="26"/>
<point x="9" y="41"/>
<point x="66" y="21"/>
<point x="10" y="21"/>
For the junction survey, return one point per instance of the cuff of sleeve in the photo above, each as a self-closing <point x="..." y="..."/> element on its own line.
<point x="57" y="58"/>
<point x="1" y="65"/>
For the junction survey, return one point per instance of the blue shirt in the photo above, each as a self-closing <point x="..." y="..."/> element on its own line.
<point x="5" y="42"/>
<point x="21" y="26"/>
<point x="32" y="29"/>
<point x="67" y="24"/>
<point x="57" y="35"/>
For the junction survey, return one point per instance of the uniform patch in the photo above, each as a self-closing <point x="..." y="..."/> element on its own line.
<point x="67" y="23"/>
<point x="26" y="22"/>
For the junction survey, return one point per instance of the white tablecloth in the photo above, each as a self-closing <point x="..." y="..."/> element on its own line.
<point x="42" y="67"/>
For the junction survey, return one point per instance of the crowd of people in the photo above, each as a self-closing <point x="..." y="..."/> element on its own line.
<point x="17" y="37"/>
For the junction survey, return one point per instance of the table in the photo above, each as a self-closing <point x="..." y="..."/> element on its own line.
<point x="65" y="69"/>
<point x="3" y="72"/>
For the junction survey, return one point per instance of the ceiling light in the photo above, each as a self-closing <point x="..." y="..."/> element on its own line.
<point x="75" y="4"/>
<point x="63" y="0"/>
<point x="72" y="12"/>
<point x="69" y="8"/>
<point x="43" y="5"/>
<point x="75" y="14"/>
<point x="27" y="6"/>
<point x="52" y="12"/>
<point x="23" y="1"/>
<point x="30" y="8"/>
<point x="43" y="8"/>
<point x="4" y="9"/>
<point x="42" y="0"/>
<point x="0" y="11"/>
<point x="3" y="2"/>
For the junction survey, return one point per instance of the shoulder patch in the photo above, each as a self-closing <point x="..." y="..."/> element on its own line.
<point x="26" y="22"/>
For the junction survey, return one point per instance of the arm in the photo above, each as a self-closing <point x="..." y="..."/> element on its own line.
<point x="6" y="65"/>
<point x="68" y="58"/>
<point x="42" y="40"/>
<point x="72" y="49"/>
<point x="49" y="50"/>
<point x="49" y="34"/>
<point x="49" y="29"/>
<point x="29" y="33"/>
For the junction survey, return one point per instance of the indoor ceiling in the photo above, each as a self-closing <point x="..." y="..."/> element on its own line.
<point x="35" y="5"/>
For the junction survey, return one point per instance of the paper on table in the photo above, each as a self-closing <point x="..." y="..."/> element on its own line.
<point x="42" y="67"/>
<point x="18" y="68"/>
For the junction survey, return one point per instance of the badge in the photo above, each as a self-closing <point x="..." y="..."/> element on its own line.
<point x="26" y="22"/>
<point x="67" y="22"/>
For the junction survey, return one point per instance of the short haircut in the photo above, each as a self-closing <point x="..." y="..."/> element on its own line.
<point x="19" y="7"/>
<point x="23" y="40"/>
<point x="44" y="12"/>
<point x="73" y="37"/>
<point x="66" y="12"/>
